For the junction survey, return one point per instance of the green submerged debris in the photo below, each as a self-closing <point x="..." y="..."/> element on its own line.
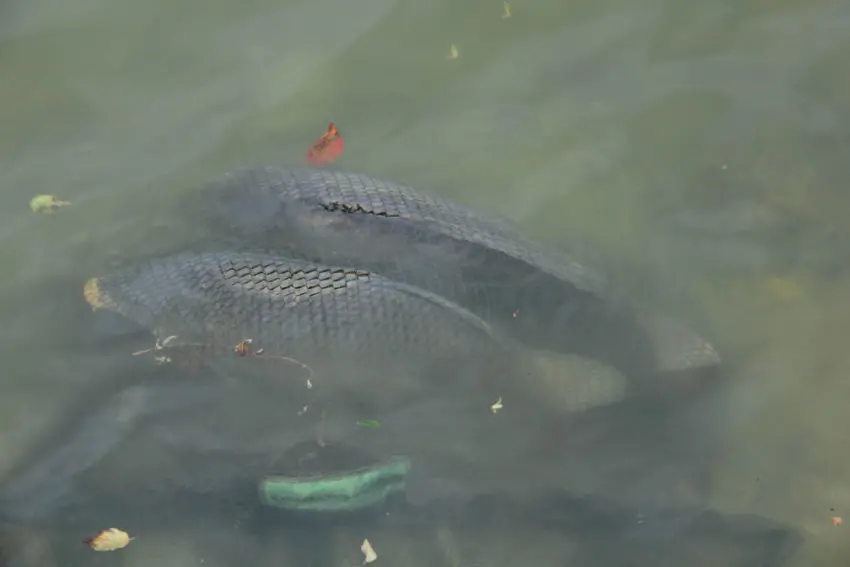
<point x="345" y="491"/>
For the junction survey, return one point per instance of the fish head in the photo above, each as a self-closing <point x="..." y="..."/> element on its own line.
<point x="108" y="321"/>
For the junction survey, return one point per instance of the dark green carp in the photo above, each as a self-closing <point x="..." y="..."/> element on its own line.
<point x="534" y="294"/>
<point x="334" y="332"/>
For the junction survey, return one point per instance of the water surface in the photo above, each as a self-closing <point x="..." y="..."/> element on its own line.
<point x="696" y="153"/>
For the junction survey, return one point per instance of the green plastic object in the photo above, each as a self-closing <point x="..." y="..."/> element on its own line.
<point x="348" y="491"/>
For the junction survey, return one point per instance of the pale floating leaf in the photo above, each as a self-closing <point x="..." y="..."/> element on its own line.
<point x="46" y="203"/>
<point x="507" y="12"/>
<point x="369" y="554"/>
<point x="497" y="405"/>
<point x="452" y="52"/>
<point x="109" y="540"/>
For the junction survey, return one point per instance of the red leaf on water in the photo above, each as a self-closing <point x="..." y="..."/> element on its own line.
<point x="327" y="148"/>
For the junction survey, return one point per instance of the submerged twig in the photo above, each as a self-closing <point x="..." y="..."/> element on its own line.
<point x="157" y="346"/>
<point x="320" y="440"/>
<point x="293" y="361"/>
<point x="244" y="349"/>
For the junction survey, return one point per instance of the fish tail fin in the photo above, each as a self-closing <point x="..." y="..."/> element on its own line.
<point x="678" y="348"/>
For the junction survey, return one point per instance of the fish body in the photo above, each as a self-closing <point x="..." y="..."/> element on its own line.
<point x="561" y="528"/>
<point x="345" y="333"/>
<point x="533" y="294"/>
<point x="84" y="436"/>
<point x="156" y="491"/>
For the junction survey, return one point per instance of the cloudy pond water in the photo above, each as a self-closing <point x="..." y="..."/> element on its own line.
<point x="694" y="152"/>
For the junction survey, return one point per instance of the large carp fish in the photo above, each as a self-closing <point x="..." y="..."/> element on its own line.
<point x="528" y="291"/>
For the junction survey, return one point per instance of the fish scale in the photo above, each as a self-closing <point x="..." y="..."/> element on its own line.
<point x="373" y="340"/>
<point x="325" y="317"/>
<point x="341" y="189"/>
<point x="537" y="296"/>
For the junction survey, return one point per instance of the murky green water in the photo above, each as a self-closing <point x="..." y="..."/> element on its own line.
<point x="696" y="152"/>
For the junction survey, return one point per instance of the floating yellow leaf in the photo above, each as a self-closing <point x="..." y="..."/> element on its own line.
<point x="369" y="554"/>
<point x="452" y="52"/>
<point x="497" y="406"/>
<point x="507" y="13"/>
<point x="109" y="540"/>
<point x="46" y="203"/>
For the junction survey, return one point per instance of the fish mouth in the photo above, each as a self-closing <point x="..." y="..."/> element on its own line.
<point x="110" y="317"/>
<point x="95" y="296"/>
